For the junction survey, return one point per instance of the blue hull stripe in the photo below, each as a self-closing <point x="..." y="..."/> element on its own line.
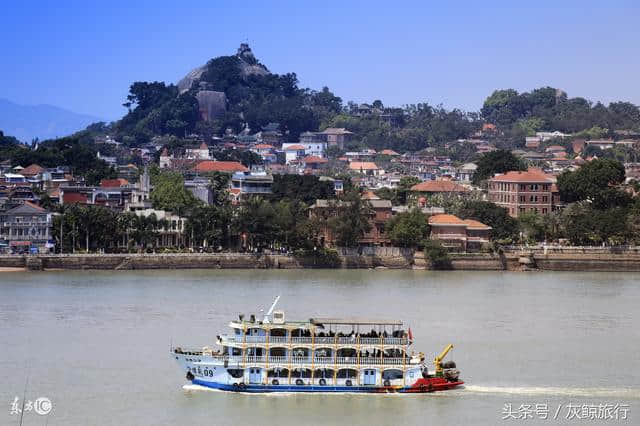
<point x="295" y="388"/>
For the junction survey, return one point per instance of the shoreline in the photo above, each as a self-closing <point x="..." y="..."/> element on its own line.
<point x="389" y="258"/>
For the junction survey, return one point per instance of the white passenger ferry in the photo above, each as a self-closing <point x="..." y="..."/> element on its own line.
<point x="319" y="355"/>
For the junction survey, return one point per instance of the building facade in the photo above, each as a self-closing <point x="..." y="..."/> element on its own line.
<point x="26" y="227"/>
<point x="526" y="191"/>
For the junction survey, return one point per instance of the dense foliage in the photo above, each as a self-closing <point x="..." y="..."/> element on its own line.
<point x="305" y="188"/>
<point x="500" y="161"/>
<point x="408" y="229"/>
<point x="76" y="151"/>
<point x="596" y="182"/>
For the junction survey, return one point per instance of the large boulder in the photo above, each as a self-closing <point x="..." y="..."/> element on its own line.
<point x="212" y="104"/>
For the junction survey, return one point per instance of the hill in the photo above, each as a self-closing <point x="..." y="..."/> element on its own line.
<point x="27" y="122"/>
<point x="227" y="92"/>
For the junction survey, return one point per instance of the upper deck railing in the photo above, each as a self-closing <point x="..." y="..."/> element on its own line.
<point x="318" y="341"/>
<point x="300" y="360"/>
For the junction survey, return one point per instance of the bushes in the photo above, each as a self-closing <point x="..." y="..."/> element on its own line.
<point x="437" y="254"/>
<point x="319" y="258"/>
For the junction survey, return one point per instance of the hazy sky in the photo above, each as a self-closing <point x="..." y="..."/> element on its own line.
<point x="83" y="57"/>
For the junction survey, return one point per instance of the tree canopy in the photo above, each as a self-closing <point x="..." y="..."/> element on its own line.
<point x="595" y="182"/>
<point x="500" y="161"/>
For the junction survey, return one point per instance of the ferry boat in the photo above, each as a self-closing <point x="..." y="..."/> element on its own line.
<point x="272" y="354"/>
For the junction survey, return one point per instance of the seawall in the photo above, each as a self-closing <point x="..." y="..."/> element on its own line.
<point x="392" y="258"/>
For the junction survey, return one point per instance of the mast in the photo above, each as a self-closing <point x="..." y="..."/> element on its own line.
<point x="268" y="314"/>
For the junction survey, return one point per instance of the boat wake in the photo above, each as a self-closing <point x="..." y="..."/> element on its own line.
<point x="627" y="393"/>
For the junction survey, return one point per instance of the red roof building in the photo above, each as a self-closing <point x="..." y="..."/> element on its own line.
<point x="114" y="183"/>
<point x="219" y="166"/>
<point x="438" y="187"/>
<point x="521" y="191"/>
<point x="458" y="234"/>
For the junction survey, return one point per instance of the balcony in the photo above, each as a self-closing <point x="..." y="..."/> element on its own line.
<point x="319" y="341"/>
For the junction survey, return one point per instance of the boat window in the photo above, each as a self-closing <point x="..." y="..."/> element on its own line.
<point x="391" y="374"/>
<point x="236" y="373"/>
<point x="236" y="351"/>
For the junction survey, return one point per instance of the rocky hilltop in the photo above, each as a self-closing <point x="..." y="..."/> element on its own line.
<point x="248" y="63"/>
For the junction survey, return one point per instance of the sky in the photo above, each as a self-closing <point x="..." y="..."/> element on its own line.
<point x="83" y="56"/>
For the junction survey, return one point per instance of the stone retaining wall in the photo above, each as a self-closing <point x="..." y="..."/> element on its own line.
<point x="513" y="261"/>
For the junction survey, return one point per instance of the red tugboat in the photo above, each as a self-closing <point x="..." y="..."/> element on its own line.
<point x="446" y="376"/>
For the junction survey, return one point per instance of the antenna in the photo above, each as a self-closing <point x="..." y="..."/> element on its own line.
<point x="273" y="306"/>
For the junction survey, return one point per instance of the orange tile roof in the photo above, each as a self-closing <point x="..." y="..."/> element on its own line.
<point x="74" y="197"/>
<point x="294" y="148"/>
<point x="313" y="159"/>
<point x="531" y="175"/>
<point x="474" y="224"/>
<point x="219" y="166"/>
<point x="388" y="152"/>
<point x="263" y="146"/>
<point x="362" y="165"/>
<point x="438" y="186"/>
<point x="113" y="183"/>
<point x="31" y="170"/>
<point x="446" y="219"/>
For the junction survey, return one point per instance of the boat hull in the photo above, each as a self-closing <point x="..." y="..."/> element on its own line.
<point x="422" y="386"/>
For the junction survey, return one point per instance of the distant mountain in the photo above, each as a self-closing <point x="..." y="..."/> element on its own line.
<point x="27" y="122"/>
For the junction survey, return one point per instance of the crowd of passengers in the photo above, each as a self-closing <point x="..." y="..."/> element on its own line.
<point x="354" y="334"/>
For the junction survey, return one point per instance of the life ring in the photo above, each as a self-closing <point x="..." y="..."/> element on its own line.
<point x="275" y="382"/>
<point x="348" y="383"/>
<point x="422" y="388"/>
<point x="322" y="382"/>
<point x="235" y="386"/>
<point x="299" y="382"/>
<point x="387" y="382"/>
<point x="190" y="375"/>
<point x="241" y="385"/>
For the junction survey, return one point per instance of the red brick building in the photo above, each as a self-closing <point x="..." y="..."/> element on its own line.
<point x="381" y="212"/>
<point x="458" y="234"/>
<point x="518" y="192"/>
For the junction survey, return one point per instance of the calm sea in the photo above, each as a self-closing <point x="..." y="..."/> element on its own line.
<point x="96" y="344"/>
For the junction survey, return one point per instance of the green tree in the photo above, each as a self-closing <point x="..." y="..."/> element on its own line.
<point x="408" y="229"/>
<point x="504" y="226"/>
<point x="500" y="161"/>
<point x="170" y="194"/>
<point x="351" y="220"/>
<point x="595" y="182"/>
<point x="404" y="188"/>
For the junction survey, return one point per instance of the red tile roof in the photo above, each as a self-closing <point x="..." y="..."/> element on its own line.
<point x="474" y="224"/>
<point x="113" y="183"/>
<point x="31" y="170"/>
<point x="264" y="146"/>
<point x="295" y="148"/>
<point x="74" y="197"/>
<point x="219" y="166"/>
<point x="446" y="219"/>
<point x="362" y="165"/>
<point x="438" y="186"/>
<point x="531" y="175"/>
<point x="311" y="159"/>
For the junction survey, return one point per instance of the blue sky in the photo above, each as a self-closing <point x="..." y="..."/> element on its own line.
<point x="83" y="56"/>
